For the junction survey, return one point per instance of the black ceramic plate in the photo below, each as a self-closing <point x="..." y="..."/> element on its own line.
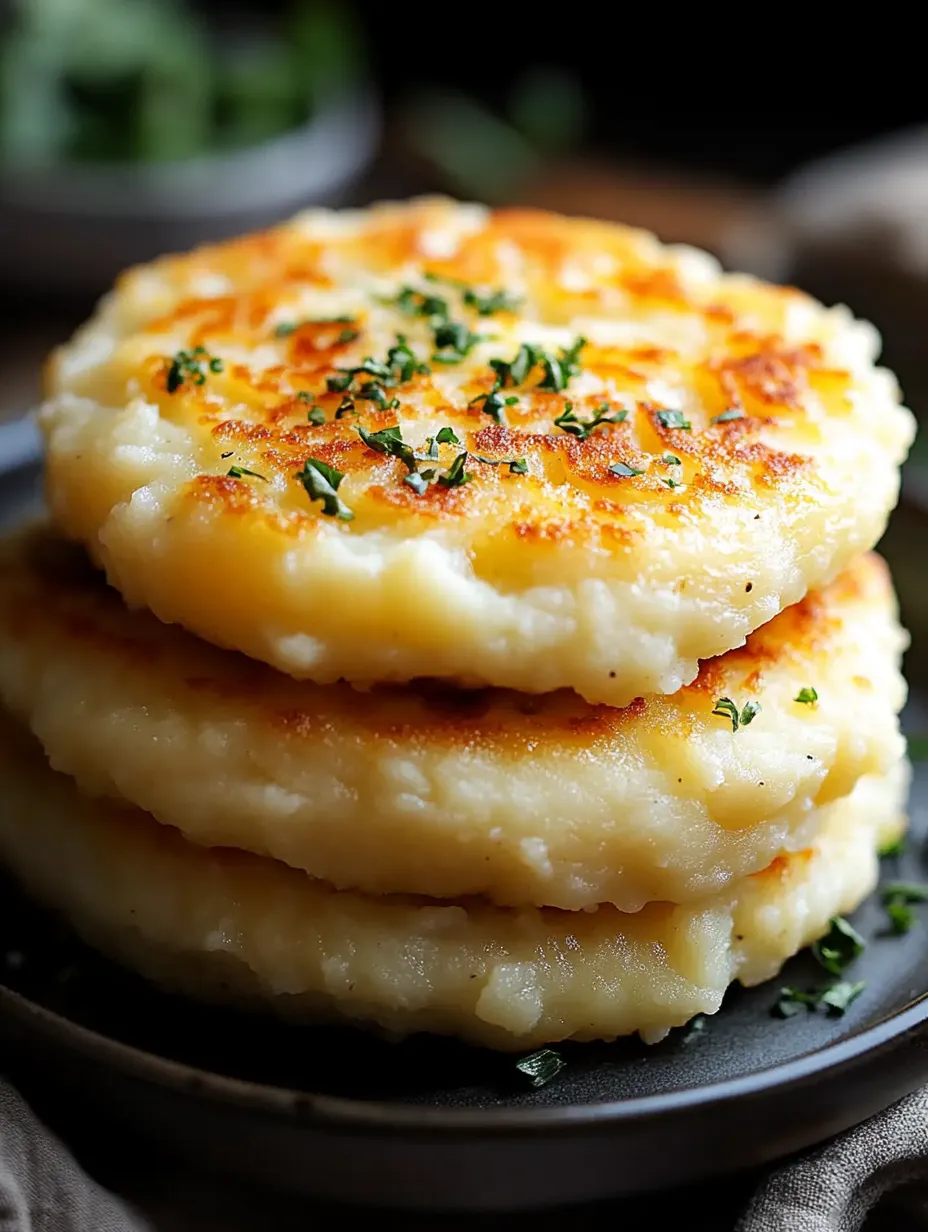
<point x="432" y="1123"/>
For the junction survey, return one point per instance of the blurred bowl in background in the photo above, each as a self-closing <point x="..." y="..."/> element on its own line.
<point x="71" y="228"/>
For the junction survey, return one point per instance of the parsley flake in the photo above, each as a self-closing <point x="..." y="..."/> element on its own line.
<point x="316" y="415"/>
<point x="390" y="441"/>
<point x="728" y="416"/>
<point x="839" y="996"/>
<point x="494" y="404"/>
<point x="895" y="847"/>
<point x="726" y="708"/>
<point x="418" y="482"/>
<point x="517" y="466"/>
<point x="898" y="898"/>
<point x="835" y="998"/>
<point x="840" y="947"/>
<point x="456" y="476"/>
<point x="673" y="419"/>
<point x="806" y="696"/>
<point x="671" y="459"/>
<point x="558" y="369"/>
<point x="541" y="1066"/>
<point x="421" y="304"/>
<point x="454" y="342"/>
<point x="188" y="365"/>
<point x="239" y="472"/>
<point x="568" y="420"/>
<point x="446" y="436"/>
<point x="791" y="1001"/>
<point x="488" y="305"/>
<point x="483" y="305"/>
<point x="401" y="365"/>
<point x="321" y="482"/>
<point x="623" y="471"/>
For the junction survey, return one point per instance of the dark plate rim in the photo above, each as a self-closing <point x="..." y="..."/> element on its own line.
<point x="336" y="1112"/>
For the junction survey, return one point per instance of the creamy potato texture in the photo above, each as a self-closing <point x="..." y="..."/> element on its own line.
<point x="497" y="448"/>
<point x="423" y="789"/>
<point x="222" y="925"/>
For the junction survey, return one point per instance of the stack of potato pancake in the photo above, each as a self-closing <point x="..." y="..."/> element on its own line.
<point x="458" y="621"/>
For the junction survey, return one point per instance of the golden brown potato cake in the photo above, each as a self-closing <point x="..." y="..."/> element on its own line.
<point x="425" y="789"/>
<point x="222" y="925"/>
<point x="501" y="448"/>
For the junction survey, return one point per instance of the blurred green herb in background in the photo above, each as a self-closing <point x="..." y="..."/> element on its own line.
<point x="487" y="154"/>
<point x="149" y="80"/>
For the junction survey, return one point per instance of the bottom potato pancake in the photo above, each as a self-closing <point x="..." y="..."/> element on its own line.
<point x="430" y="790"/>
<point x="225" y="925"/>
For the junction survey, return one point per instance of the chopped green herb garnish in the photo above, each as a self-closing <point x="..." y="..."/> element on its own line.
<point x="840" y="947"/>
<point x="483" y="305"/>
<point x="454" y="342"/>
<point x="839" y="996"/>
<point x="673" y="419"/>
<point x="898" y="898"/>
<point x="726" y="708"/>
<point x="568" y="421"/>
<point x="728" y="416"/>
<point x="515" y="371"/>
<point x="540" y="1067"/>
<point x="792" y="1000"/>
<point x="239" y="472"/>
<point x="494" y="404"/>
<point x="909" y="891"/>
<point x="671" y="459"/>
<point x="671" y="483"/>
<point x="517" y="466"/>
<point x="623" y="471"/>
<point x="835" y="998"/>
<point x="487" y="305"/>
<point x="806" y="696"/>
<point x="558" y="371"/>
<point x="401" y="366"/>
<point x="189" y="365"/>
<point x="418" y="482"/>
<point x="345" y="407"/>
<point x="371" y="391"/>
<point x="456" y="475"/>
<point x="316" y="415"/>
<point x="420" y="304"/>
<point x="390" y="441"/>
<point x="901" y="917"/>
<point x="446" y="436"/>
<point x="895" y="847"/>
<point x="321" y="482"/>
<point x="402" y="363"/>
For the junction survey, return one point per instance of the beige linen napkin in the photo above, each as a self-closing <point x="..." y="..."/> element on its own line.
<point x="871" y="1179"/>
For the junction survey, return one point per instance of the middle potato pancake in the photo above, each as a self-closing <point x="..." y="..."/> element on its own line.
<point x="423" y="789"/>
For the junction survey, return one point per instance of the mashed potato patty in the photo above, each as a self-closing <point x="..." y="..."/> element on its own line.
<point x="500" y="448"/>
<point x="222" y="925"/>
<point x="428" y="790"/>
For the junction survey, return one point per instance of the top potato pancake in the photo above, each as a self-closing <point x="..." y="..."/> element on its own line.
<point x="600" y="458"/>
